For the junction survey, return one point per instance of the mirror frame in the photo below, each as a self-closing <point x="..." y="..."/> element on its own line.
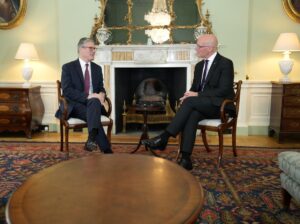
<point x="290" y="9"/>
<point x="99" y="21"/>
<point x="17" y="19"/>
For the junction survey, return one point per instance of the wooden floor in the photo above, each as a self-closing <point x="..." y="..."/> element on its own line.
<point x="255" y="141"/>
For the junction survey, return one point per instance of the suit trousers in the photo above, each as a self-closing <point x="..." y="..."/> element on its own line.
<point x="91" y="113"/>
<point x="192" y="110"/>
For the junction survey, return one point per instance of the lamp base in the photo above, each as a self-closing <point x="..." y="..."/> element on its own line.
<point x="27" y="74"/>
<point x="26" y="84"/>
<point x="285" y="79"/>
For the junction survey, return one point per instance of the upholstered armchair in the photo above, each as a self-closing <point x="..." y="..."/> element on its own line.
<point x="289" y="164"/>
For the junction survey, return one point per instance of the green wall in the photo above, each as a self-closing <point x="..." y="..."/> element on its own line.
<point x="247" y="31"/>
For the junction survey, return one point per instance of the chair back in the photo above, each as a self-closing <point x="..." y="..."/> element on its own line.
<point x="62" y="101"/>
<point x="237" y="89"/>
<point x="59" y="91"/>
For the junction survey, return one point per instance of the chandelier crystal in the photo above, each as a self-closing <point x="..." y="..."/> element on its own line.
<point x="158" y="16"/>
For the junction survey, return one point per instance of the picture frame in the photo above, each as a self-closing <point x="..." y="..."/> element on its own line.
<point x="292" y="9"/>
<point x="12" y="13"/>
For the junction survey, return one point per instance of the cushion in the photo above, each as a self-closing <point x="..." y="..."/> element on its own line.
<point x="289" y="163"/>
<point x="212" y="122"/>
<point x="73" y="121"/>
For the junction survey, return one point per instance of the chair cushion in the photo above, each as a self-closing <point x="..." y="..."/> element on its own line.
<point x="212" y="122"/>
<point x="291" y="186"/>
<point x="289" y="163"/>
<point x="73" y="121"/>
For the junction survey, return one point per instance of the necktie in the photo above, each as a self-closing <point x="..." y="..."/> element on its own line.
<point x="87" y="79"/>
<point x="204" y="75"/>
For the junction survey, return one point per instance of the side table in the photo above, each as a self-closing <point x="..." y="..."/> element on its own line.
<point x="145" y="110"/>
<point x="21" y="108"/>
<point x="285" y="110"/>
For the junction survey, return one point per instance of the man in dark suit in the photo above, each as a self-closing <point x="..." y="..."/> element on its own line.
<point x="82" y="85"/>
<point x="213" y="82"/>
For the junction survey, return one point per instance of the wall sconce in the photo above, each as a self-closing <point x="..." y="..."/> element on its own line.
<point x="286" y="43"/>
<point x="27" y="52"/>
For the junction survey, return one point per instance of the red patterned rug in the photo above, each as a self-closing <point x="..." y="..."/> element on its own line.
<point x="246" y="190"/>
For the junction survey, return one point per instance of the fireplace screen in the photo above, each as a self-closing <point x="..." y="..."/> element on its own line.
<point x="150" y="92"/>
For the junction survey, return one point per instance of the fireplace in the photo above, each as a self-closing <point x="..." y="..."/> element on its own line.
<point x="128" y="79"/>
<point x="125" y="66"/>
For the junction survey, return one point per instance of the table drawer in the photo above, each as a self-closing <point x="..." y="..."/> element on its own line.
<point x="293" y="101"/>
<point x="13" y="121"/>
<point x="11" y="96"/>
<point x="291" y="112"/>
<point x="9" y="108"/>
<point x="292" y="90"/>
<point x="290" y="125"/>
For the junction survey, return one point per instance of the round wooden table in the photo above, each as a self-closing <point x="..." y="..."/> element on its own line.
<point x="117" y="188"/>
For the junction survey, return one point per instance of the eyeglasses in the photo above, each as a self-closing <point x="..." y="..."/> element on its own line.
<point x="90" y="48"/>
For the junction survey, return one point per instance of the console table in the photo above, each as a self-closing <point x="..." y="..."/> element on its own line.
<point x="21" y="108"/>
<point x="285" y="110"/>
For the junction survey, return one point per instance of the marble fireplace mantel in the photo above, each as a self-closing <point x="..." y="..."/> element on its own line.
<point x="112" y="57"/>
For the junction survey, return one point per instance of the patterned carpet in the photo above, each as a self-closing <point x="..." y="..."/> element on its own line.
<point x="246" y="190"/>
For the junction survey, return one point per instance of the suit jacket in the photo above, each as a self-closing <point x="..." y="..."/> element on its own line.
<point x="219" y="81"/>
<point x="73" y="84"/>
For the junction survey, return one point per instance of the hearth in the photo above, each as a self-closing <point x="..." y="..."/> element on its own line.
<point x="128" y="80"/>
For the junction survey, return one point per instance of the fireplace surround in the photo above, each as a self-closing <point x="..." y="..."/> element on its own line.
<point x="126" y="65"/>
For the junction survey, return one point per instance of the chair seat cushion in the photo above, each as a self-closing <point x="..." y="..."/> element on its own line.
<point x="212" y="122"/>
<point x="289" y="163"/>
<point x="73" y="121"/>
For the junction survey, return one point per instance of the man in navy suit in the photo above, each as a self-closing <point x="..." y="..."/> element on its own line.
<point x="82" y="85"/>
<point x="213" y="82"/>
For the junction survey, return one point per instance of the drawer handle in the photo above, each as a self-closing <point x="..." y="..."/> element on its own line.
<point x="15" y="108"/>
<point x="15" y="97"/>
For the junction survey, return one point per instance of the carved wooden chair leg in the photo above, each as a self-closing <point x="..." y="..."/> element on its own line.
<point x="234" y="140"/>
<point x="61" y="136"/>
<point x="220" y="133"/>
<point x="286" y="198"/>
<point x="67" y="139"/>
<point x="204" y="139"/>
<point x="109" y="129"/>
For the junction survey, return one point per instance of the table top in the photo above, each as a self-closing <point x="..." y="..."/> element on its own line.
<point x="17" y="86"/>
<point x="117" y="188"/>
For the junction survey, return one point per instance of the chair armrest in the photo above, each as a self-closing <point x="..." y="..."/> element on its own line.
<point x="225" y="116"/>
<point x="107" y="105"/>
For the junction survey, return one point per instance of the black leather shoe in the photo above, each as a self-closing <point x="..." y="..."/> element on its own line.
<point x="186" y="163"/>
<point x="156" y="143"/>
<point x="108" y="151"/>
<point x="90" y="146"/>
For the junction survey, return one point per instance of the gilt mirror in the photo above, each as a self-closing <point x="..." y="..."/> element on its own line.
<point x="124" y="20"/>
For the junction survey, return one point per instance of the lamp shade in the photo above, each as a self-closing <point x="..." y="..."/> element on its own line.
<point x="27" y="51"/>
<point x="287" y="42"/>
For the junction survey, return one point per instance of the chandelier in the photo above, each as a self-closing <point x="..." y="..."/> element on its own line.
<point x="158" y="16"/>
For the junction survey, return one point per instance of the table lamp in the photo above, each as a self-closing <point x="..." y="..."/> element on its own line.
<point x="27" y="52"/>
<point x="286" y="43"/>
